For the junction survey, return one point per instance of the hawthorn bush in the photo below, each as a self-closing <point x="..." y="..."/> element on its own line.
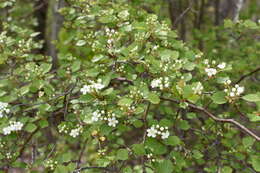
<point x="127" y="96"/>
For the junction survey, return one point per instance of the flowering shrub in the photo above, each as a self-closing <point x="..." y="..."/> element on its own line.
<point x="127" y="96"/>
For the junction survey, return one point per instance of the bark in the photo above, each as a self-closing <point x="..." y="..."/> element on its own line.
<point x="41" y="15"/>
<point x="56" y="21"/>
<point x="230" y="9"/>
<point x="174" y="11"/>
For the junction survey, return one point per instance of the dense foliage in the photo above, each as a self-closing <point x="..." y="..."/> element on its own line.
<point x="127" y="95"/>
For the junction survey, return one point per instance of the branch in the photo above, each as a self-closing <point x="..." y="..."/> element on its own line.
<point x="93" y="167"/>
<point x="44" y="102"/>
<point x="231" y="121"/>
<point x="248" y="74"/>
<point x="182" y="15"/>
<point x="26" y="142"/>
<point x="144" y="136"/>
<point x="81" y="153"/>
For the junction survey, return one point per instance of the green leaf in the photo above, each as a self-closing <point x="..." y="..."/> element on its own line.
<point x="45" y="67"/>
<point x="138" y="149"/>
<point x="81" y="43"/>
<point x="189" y="66"/>
<point x="43" y="123"/>
<point x="253" y="117"/>
<point x="122" y="154"/>
<point x="252" y="97"/>
<point x="197" y="154"/>
<point x="138" y="123"/>
<point x="66" y="157"/>
<point x="153" y="98"/>
<point x="125" y="102"/>
<point x="155" y="146"/>
<point x="184" y="125"/>
<point x="173" y="141"/>
<point x="219" y="97"/>
<point x="30" y="127"/>
<point x="98" y="57"/>
<point x="127" y="169"/>
<point x="255" y="161"/>
<point x="248" y="141"/>
<point x="75" y="66"/>
<point x="25" y="89"/>
<point x="228" y="23"/>
<point x="166" y="55"/>
<point x="165" y="166"/>
<point x="226" y="169"/>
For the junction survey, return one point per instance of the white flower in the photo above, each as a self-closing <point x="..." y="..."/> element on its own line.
<point x="222" y="65"/>
<point x="227" y="82"/>
<point x="236" y="91"/>
<point x="160" y="83"/>
<point x="123" y="14"/>
<point x="225" y="90"/>
<point x="156" y="83"/>
<point x="206" y="61"/>
<point x="211" y="71"/>
<point x="198" y="88"/>
<point x="13" y="126"/>
<point x="112" y="121"/>
<point x="232" y="94"/>
<point x="152" y="132"/>
<point x="165" y="134"/>
<point x="93" y="86"/>
<point x="3" y="109"/>
<point x="96" y="116"/>
<point x="75" y="132"/>
<point x="240" y="90"/>
<point x="85" y="89"/>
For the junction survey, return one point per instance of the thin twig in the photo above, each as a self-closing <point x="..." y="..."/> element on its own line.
<point x="231" y="121"/>
<point x="182" y="15"/>
<point x="93" y="167"/>
<point x="81" y="153"/>
<point x="67" y="99"/>
<point x="247" y="75"/>
<point x="144" y="136"/>
<point x="26" y="142"/>
<point x="44" y="102"/>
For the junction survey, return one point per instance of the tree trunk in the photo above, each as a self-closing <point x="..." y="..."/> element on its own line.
<point x="56" y="23"/>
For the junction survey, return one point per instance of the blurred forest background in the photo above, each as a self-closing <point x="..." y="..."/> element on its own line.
<point x="222" y="29"/>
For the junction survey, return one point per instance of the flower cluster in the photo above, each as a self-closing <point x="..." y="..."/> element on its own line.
<point x="2" y="144"/>
<point x="198" y="88"/>
<point x="165" y="67"/>
<point x="150" y="157"/>
<point x="96" y="115"/>
<point x="227" y="82"/>
<point x="92" y="87"/>
<point x="102" y="116"/>
<point x="51" y="164"/>
<point x="111" y="33"/>
<point x="75" y="132"/>
<point x="157" y="130"/>
<point x="162" y="82"/>
<point x="199" y="55"/>
<point x="135" y="93"/>
<point x="235" y="91"/>
<point x="212" y="71"/>
<point x="13" y="126"/>
<point x="63" y="128"/>
<point x="3" y="109"/>
<point x="123" y="14"/>
<point x="9" y="155"/>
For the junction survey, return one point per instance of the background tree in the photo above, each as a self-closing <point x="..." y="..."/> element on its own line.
<point x="129" y="86"/>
